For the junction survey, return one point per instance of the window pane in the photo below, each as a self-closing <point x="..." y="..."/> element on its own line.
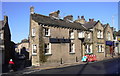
<point x="33" y="32"/>
<point x="34" y="49"/>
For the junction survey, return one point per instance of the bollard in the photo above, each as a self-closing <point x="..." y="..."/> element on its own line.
<point x="61" y="61"/>
<point x="76" y="59"/>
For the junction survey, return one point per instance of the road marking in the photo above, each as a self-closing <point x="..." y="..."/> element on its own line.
<point x="45" y="68"/>
<point x="31" y="71"/>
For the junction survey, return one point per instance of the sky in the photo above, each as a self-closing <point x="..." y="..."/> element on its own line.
<point x="19" y="13"/>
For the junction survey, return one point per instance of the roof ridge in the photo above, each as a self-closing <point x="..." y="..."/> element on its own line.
<point x="55" y="22"/>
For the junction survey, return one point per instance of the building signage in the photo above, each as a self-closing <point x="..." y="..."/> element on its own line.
<point x="110" y="43"/>
<point x="58" y="40"/>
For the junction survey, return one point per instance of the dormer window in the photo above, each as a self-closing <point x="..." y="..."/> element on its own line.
<point x="99" y="34"/>
<point x="88" y="35"/>
<point x="81" y="35"/>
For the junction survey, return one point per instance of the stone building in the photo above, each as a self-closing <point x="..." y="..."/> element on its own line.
<point x="23" y="43"/>
<point x="117" y="42"/>
<point x="95" y="42"/>
<point x="22" y="48"/>
<point x="108" y="36"/>
<point x="5" y="40"/>
<point x="54" y="40"/>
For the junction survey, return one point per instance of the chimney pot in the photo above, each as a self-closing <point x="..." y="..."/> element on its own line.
<point x="5" y="18"/>
<point x="32" y="10"/>
<point x="93" y="19"/>
<point x="82" y="17"/>
<point x="89" y="20"/>
<point x="78" y="17"/>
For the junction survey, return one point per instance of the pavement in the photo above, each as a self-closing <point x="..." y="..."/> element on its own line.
<point x="32" y="69"/>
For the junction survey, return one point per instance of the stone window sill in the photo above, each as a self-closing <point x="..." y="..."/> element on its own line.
<point x="72" y="52"/>
<point x="48" y="54"/>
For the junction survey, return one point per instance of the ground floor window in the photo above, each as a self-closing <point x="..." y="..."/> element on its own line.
<point x="100" y="48"/>
<point x="72" y="48"/>
<point x="34" y="49"/>
<point x="47" y="48"/>
<point x="88" y="48"/>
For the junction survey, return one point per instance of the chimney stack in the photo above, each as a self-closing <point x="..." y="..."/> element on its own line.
<point x="68" y="17"/>
<point x="55" y="14"/>
<point x="5" y="18"/>
<point x="82" y="17"/>
<point x="78" y="17"/>
<point x="91" y="20"/>
<point x="32" y="10"/>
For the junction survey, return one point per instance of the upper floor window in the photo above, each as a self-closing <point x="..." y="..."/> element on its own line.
<point x="33" y="32"/>
<point x="72" y="48"/>
<point x="88" y="35"/>
<point x="108" y="35"/>
<point x="72" y="34"/>
<point x="47" y="48"/>
<point x="80" y="34"/>
<point x="99" y="34"/>
<point x="1" y="36"/>
<point x="47" y="31"/>
<point x="34" y="49"/>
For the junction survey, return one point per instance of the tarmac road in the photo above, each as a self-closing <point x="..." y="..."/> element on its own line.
<point x="111" y="66"/>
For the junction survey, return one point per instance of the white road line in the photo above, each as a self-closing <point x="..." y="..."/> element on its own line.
<point x="31" y="71"/>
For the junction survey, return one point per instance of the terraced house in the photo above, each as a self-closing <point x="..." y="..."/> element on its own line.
<point x="57" y="41"/>
<point x="109" y="44"/>
<point x="54" y="40"/>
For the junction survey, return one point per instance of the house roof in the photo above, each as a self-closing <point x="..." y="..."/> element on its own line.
<point x="90" y="24"/>
<point x="46" y="20"/>
<point x="1" y="24"/>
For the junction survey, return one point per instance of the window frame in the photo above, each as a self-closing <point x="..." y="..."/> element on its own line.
<point x="71" y="34"/>
<point x="34" y="47"/>
<point x="33" y="32"/>
<point x="46" y="30"/>
<point x="48" y="48"/>
<point x="88" y="35"/>
<point x="108" y="35"/>
<point x="81" y="34"/>
<point x="1" y="36"/>
<point x="100" y="49"/>
<point x="72" y="48"/>
<point x="99" y="34"/>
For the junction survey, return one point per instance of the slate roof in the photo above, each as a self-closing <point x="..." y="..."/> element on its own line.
<point x="46" y="20"/>
<point x="90" y="24"/>
<point x="1" y="24"/>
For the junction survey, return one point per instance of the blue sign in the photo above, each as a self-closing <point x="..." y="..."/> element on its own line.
<point x="110" y="43"/>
